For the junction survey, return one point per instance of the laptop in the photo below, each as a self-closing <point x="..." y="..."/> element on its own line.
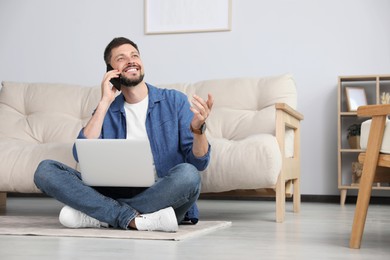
<point x="116" y="162"/>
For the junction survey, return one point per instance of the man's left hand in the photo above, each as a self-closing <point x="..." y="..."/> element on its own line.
<point x="201" y="110"/>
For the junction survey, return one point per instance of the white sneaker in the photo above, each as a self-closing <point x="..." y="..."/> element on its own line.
<point x="162" y="220"/>
<point x="71" y="218"/>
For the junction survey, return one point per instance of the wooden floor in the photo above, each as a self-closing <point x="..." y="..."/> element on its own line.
<point x="320" y="231"/>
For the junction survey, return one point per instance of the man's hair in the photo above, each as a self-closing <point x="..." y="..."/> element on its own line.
<point x="116" y="42"/>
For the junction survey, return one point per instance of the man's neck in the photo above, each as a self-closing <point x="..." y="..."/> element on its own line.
<point x="135" y="94"/>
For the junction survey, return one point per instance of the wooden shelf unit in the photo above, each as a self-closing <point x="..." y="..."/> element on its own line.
<point x="373" y="85"/>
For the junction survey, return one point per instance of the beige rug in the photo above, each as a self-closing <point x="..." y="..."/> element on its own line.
<point x="50" y="226"/>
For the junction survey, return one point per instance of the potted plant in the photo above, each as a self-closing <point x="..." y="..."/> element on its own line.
<point x="354" y="136"/>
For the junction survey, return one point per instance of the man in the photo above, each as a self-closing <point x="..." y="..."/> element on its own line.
<point x="180" y="149"/>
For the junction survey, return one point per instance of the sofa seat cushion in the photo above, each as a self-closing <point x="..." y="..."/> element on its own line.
<point x="262" y="164"/>
<point x="19" y="159"/>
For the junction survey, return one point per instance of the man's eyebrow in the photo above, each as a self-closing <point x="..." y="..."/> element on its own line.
<point x="122" y="54"/>
<point x="119" y="55"/>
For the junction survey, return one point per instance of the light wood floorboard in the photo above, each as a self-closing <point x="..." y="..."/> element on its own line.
<point x="319" y="231"/>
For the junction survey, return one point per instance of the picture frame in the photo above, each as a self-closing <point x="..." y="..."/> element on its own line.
<point x="187" y="16"/>
<point x="356" y="96"/>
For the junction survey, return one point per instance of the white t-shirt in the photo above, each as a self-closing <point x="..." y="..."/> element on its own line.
<point x="136" y="118"/>
<point x="135" y="121"/>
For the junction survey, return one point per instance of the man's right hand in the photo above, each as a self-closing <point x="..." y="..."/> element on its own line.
<point x="94" y="125"/>
<point x="108" y="91"/>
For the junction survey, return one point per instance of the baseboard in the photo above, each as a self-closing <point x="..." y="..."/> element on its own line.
<point x="304" y="198"/>
<point x="22" y="195"/>
<point x="308" y="198"/>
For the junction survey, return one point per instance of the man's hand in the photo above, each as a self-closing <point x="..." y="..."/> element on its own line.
<point x="108" y="91"/>
<point x="201" y="110"/>
<point x="94" y="125"/>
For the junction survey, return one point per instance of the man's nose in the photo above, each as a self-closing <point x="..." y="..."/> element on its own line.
<point x="130" y="60"/>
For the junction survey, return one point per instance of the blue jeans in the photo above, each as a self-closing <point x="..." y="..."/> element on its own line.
<point x="179" y="189"/>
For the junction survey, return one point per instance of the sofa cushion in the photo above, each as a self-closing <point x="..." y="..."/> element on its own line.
<point x="243" y="106"/>
<point x="44" y="113"/>
<point x="250" y="163"/>
<point x="39" y="121"/>
<point x="19" y="159"/>
<point x="241" y="128"/>
<point x="365" y="131"/>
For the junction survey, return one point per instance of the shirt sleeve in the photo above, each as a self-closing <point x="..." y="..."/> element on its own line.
<point x="80" y="136"/>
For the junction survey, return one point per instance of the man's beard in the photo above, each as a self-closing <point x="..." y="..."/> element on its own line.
<point x="131" y="82"/>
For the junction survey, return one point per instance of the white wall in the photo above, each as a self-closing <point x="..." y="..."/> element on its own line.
<point x="63" y="41"/>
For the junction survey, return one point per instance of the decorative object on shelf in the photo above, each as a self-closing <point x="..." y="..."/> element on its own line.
<point x="357" y="169"/>
<point x="385" y="98"/>
<point x="356" y="97"/>
<point x="381" y="176"/>
<point x="354" y="136"/>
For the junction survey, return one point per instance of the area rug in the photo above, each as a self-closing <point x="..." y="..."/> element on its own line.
<point x="50" y="226"/>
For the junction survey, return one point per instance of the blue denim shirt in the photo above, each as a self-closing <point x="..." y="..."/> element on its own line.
<point x="168" y="127"/>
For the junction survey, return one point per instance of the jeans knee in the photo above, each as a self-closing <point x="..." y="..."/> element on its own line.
<point x="43" y="171"/>
<point x="190" y="174"/>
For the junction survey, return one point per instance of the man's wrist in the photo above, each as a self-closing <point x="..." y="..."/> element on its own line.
<point x="199" y="131"/>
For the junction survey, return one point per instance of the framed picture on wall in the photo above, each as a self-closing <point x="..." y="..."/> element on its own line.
<point x="355" y="97"/>
<point x="186" y="16"/>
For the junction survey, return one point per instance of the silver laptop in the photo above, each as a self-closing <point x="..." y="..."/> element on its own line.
<point x="115" y="162"/>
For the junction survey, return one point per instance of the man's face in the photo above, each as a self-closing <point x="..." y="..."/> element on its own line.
<point x="127" y="60"/>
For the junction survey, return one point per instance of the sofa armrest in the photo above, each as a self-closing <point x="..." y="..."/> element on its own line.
<point x="289" y="110"/>
<point x="288" y="118"/>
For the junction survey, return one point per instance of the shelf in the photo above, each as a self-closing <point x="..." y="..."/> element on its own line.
<point x="358" y="78"/>
<point x="356" y="187"/>
<point x="364" y="78"/>
<point x="348" y="113"/>
<point x="373" y="85"/>
<point x="342" y="150"/>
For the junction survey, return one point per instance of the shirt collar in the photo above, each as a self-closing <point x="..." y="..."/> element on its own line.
<point x="155" y="96"/>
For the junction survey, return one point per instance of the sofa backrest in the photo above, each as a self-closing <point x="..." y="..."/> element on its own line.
<point x="243" y="106"/>
<point x="44" y="112"/>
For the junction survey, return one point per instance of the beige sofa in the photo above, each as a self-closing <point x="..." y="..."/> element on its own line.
<point x="250" y="148"/>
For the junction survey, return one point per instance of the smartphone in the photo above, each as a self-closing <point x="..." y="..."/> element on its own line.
<point x="116" y="82"/>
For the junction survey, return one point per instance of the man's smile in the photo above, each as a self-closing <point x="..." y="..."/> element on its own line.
<point x="131" y="69"/>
